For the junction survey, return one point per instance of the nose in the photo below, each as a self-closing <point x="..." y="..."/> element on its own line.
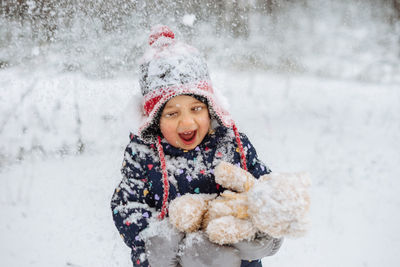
<point x="187" y="120"/>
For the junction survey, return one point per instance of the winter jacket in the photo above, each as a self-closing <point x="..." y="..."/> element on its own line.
<point x="139" y="195"/>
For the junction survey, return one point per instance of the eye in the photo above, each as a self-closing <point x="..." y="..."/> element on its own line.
<point x="198" y="108"/>
<point x="170" y="114"/>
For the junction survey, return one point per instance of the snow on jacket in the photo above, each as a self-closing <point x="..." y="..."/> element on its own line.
<point x="139" y="195"/>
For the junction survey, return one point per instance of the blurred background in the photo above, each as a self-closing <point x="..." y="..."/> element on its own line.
<point x="313" y="83"/>
<point x="334" y="39"/>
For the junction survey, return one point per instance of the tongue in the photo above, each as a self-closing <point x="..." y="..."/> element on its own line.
<point x="187" y="137"/>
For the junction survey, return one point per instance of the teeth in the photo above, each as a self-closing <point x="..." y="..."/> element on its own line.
<point x="187" y="135"/>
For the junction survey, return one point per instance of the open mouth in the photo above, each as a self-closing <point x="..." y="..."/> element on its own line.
<point x="188" y="137"/>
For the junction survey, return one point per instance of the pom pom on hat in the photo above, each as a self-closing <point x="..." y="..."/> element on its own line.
<point x="160" y="31"/>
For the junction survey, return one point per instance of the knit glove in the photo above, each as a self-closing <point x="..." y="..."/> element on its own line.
<point x="162" y="244"/>
<point x="197" y="251"/>
<point x="258" y="248"/>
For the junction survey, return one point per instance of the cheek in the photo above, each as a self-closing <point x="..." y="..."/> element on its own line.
<point x="204" y="121"/>
<point x="168" y="130"/>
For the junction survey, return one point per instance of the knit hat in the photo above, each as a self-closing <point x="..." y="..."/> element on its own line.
<point x="170" y="68"/>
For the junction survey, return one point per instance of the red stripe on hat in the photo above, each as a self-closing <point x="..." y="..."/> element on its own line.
<point x="153" y="98"/>
<point x="149" y="105"/>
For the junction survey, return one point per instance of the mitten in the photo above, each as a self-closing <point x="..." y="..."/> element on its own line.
<point x="226" y="219"/>
<point x="162" y="244"/>
<point x="186" y="212"/>
<point x="197" y="251"/>
<point x="260" y="247"/>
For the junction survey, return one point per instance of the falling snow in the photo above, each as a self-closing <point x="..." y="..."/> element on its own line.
<point x="313" y="83"/>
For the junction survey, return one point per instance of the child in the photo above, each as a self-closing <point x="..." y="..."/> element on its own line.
<point x="184" y="135"/>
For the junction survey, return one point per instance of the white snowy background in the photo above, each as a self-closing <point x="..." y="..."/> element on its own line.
<point x="316" y="88"/>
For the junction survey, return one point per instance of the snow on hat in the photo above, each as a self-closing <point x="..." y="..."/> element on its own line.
<point x="170" y="68"/>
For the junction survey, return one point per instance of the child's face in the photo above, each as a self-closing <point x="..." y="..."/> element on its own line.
<point x="184" y="122"/>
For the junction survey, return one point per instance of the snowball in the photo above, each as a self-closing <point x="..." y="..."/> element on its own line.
<point x="280" y="204"/>
<point x="188" y="19"/>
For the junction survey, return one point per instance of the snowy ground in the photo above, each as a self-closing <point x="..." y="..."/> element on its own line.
<point x="55" y="210"/>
